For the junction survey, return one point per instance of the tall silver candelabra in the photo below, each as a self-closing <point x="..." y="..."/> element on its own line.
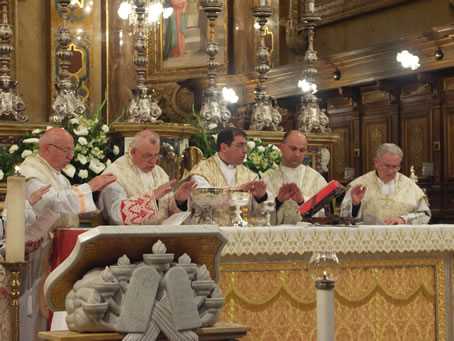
<point x="265" y="113"/>
<point x="142" y="107"/>
<point x="12" y="106"/>
<point x="309" y="116"/>
<point x="67" y="103"/>
<point x="214" y="109"/>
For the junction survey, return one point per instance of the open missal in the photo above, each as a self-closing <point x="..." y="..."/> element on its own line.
<point x="322" y="199"/>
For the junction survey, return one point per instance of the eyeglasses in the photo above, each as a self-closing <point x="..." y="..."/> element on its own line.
<point x="64" y="150"/>
<point x="239" y="145"/>
<point x="148" y="156"/>
<point x="395" y="168"/>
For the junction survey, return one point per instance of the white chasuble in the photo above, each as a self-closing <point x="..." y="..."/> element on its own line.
<point x="213" y="174"/>
<point x="130" y="200"/>
<point x="399" y="198"/>
<point x="308" y="180"/>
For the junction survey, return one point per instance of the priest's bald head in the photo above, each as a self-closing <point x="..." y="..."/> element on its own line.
<point x="293" y="148"/>
<point x="144" y="151"/>
<point x="56" y="146"/>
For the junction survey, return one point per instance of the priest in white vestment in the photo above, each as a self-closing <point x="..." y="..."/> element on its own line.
<point x="225" y="169"/>
<point x="385" y="196"/>
<point x="292" y="182"/>
<point x="142" y="194"/>
<point x="56" y="147"/>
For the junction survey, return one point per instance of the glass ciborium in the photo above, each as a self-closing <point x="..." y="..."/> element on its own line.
<point x="206" y="199"/>
<point x="268" y="207"/>
<point x="238" y="198"/>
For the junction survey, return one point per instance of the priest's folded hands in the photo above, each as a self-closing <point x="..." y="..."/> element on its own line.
<point x="290" y="190"/>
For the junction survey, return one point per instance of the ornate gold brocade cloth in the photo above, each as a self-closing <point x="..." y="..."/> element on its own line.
<point x="395" y="282"/>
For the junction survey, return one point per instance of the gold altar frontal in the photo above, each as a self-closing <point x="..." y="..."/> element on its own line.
<point x="395" y="283"/>
<point x="220" y="331"/>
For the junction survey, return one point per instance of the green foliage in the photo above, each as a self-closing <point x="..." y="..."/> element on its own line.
<point x="205" y="138"/>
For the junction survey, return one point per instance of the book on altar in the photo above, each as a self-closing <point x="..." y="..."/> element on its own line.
<point x="321" y="199"/>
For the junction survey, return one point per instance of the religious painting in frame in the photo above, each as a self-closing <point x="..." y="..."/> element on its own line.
<point x="177" y="50"/>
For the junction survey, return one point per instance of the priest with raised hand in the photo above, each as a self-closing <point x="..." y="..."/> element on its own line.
<point x="292" y="182"/>
<point x="56" y="148"/>
<point x="225" y="169"/>
<point x="385" y="196"/>
<point x="143" y="193"/>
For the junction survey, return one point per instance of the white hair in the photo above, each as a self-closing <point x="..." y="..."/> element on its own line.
<point x="390" y="148"/>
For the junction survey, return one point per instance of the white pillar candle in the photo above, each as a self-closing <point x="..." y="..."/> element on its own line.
<point x="15" y="220"/>
<point x="325" y="314"/>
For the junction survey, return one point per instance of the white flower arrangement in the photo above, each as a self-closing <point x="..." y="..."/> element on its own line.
<point x="260" y="158"/>
<point x="91" y="149"/>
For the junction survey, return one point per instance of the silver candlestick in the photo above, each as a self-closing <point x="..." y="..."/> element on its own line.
<point x="12" y="106"/>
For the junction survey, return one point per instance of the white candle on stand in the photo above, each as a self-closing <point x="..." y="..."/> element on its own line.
<point x="15" y="220"/>
<point x="325" y="314"/>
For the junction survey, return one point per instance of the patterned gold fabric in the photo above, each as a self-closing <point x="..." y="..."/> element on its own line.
<point x="211" y="171"/>
<point x="290" y="239"/>
<point x="405" y="199"/>
<point x="374" y="300"/>
<point x="129" y="179"/>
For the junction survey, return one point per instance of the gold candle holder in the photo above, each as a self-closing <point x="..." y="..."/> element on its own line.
<point x="14" y="293"/>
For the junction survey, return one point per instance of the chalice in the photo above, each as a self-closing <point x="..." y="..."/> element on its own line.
<point x="238" y="198"/>
<point x="206" y="199"/>
<point x="268" y="206"/>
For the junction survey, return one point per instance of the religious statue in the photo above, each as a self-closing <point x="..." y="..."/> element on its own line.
<point x="413" y="175"/>
<point x="146" y="298"/>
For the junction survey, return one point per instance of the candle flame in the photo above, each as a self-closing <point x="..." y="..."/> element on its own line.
<point x="17" y="169"/>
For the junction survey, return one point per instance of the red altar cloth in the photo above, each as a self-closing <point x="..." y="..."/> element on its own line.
<point x="64" y="242"/>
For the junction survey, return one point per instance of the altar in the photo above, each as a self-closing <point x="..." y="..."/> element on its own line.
<point x="395" y="281"/>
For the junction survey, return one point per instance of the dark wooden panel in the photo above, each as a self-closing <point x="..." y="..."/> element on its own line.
<point x="376" y="131"/>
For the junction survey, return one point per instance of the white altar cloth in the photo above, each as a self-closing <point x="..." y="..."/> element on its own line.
<point x="290" y="239"/>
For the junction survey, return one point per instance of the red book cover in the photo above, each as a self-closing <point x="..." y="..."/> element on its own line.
<point x="64" y="242"/>
<point x="328" y="193"/>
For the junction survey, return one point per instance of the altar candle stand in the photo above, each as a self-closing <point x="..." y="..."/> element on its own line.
<point x="324" y="270"/>
<point x="15" y="244"/>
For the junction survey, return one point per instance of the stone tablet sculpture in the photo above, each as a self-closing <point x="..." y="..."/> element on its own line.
<point x="144" y="299"/>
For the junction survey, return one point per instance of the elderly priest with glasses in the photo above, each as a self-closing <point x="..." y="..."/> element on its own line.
<point x="142" y="194"/>
<point x="56" y="147"/>
<point x="385" y="196"/>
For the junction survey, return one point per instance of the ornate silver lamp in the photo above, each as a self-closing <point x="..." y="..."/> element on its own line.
<point x="265" y="113"/>
<point x="214" y="109"/>
<point x="142" y="107"/>
<point x="324" y="269"/>
<point x="67" y="103"/>
<point x="310" y="118"/>
<point x="12" y="106"/>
